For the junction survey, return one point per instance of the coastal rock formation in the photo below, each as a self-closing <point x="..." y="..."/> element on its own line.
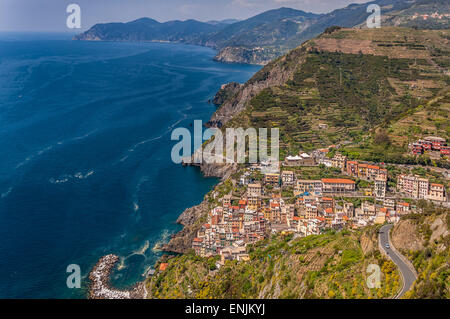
<point x="221" y="170"/>
<point x="191" y="220"/>
<point x="100" y="276"/>
<point x="225" y="92"/>
<point x="243" y="55"/>
<point x="275" y="73"/>
<point x="217" y="170"/>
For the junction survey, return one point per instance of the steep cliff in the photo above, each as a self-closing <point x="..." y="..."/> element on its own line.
<point x="353" y="80"/>
<point x="245" y="55"/>
<point x="275" y="73"/>
<point x="226" y="92"/>
<point x="191" y="220"/>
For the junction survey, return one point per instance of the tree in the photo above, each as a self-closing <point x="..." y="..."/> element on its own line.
<point x="331" y="29"/>
<point x="382" y="138"/>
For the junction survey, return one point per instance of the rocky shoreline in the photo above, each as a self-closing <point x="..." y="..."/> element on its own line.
<point x="179" y="243"/>
<point x="100" y="277"/>
<point x="190" y="219"/>
<point x="243" y="55"/>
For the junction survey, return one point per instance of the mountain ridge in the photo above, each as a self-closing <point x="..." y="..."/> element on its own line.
<point x="270" y="34"/>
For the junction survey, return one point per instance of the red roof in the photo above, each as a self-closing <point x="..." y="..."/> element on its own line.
<point x="337" y="181"/>
<point x="198" y="240"/>
<point x="437" y="185"/>
<point x="163" y="266"/>
<point x="327" y="198"/>
<point x="373" y="166"/>
<point x="329" y="211"/>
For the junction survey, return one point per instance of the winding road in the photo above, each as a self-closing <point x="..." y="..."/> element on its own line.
<point x="406" y="271"/>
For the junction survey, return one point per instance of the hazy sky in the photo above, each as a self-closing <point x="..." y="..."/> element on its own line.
<point x="50" y="15"/>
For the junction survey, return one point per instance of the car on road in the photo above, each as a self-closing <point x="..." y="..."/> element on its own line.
<point x="387" y="246"/>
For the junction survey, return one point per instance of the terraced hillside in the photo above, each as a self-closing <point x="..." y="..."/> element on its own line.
<point x="356" y="81"/>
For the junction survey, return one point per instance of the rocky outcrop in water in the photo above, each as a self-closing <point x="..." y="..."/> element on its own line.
<point x="100" y="278"/>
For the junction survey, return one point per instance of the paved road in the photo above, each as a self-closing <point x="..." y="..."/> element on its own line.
<point x="408" y="275"/>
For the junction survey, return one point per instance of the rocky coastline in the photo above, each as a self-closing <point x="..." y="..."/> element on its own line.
<point x="275" y="73"/>
<point x="100" y="282"/>
<point x="238" y="97"/>
<point x="191" y="217"/>
<point x="225" y="92"/>
<point x="180" y="242"/>
<point x="257" y="56"/>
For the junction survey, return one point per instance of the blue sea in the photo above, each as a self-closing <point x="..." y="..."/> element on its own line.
<point x="85" y="168"/>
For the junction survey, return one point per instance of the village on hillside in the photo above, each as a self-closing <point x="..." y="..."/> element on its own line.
<point x="308" y="194"/>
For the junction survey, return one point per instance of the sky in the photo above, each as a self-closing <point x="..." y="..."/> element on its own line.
<point x="50" y="15"/>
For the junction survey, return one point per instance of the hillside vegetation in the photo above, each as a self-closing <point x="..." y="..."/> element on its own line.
<point x="331" y="265"/>
<point x="367" y="85"/>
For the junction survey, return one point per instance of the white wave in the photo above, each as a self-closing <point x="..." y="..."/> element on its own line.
<point x="122" y="264"/>
<point x="144" y="274"/>
<point x="38" y="153"/>
<point x="168" y="130"/>
<point x="141" y="251"/>
<point x="135" y="195"/>
<point x="84" y="136"/>
<point x="163" y="239"/>
<point x="7" y="192"/>
<point x="67" y="177"/>
<point x="50" y="147"/>
<point x="80" y="175"/>
<point x="58" y="180"/>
